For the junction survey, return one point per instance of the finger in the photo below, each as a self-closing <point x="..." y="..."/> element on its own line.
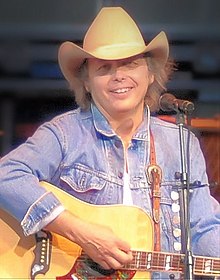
<point x="105" y="265"/>
<point x="123" y="257"/>
<point x="124" y="246"/>
<point x="112" y="263"/>
<point x="109" y="262"/>
<point x="115" y="260"/>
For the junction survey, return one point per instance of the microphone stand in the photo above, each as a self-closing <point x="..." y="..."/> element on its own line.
<point x="184" y="192"/>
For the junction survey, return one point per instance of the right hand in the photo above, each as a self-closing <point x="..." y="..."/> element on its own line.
<point x="98" y="242"/>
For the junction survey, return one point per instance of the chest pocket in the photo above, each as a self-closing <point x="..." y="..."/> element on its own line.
<point x="89" y="185"/>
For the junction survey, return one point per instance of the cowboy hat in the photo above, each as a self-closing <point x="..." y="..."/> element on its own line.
<point x="112" y="35"/>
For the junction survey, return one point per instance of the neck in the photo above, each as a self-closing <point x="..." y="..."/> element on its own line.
<point x="126" y="126"/>
<point x="124" y="123"/>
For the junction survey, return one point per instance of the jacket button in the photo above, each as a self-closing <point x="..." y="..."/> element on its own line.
<point x="120" y="175"/>
<point x="174" y="195"/>
<point x="177" y="232"/>
<point x="176" y="220"/>
<point x="175" y="207"/>
<point x="117" y="144"/>
<point x="177" y="246"/>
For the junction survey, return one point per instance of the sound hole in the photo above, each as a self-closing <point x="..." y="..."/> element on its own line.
<point x="97" y="270"/>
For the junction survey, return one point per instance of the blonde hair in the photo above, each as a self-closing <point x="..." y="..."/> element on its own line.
<point x="161" y="76"/>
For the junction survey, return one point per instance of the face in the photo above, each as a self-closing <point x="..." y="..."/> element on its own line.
<point x="118" y="87"/>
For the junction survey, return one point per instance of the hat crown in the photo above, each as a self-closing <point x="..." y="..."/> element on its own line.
<point x="112" y="27"/>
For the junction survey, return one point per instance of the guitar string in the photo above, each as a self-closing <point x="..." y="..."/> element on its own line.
<point x="175" y="265"/>
<point x="175" y="262"/>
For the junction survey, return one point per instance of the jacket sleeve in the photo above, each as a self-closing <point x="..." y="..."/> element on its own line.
<point x="204" y="209"/>
<point x="20" y="173"/>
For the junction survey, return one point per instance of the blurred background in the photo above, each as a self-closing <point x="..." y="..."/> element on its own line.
<point x="32" y="88"/>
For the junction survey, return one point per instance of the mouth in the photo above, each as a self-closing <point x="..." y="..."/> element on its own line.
<point x="121" y="90"/>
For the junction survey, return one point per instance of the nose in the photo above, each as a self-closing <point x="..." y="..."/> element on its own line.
<point x="119" y="73"/>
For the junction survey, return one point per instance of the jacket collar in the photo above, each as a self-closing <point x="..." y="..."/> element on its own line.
<point x="102" y="125"/>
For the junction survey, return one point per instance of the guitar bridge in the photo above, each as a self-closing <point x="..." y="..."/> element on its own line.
<point x="42" y="253"/>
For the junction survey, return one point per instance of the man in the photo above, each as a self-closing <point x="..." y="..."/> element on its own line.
<point x="100" y="153"/>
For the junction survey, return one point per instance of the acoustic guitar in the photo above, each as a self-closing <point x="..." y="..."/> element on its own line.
<point x="50" y="256"/>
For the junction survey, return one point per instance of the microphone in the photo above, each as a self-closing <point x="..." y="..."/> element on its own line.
<point x="169" y="102"/>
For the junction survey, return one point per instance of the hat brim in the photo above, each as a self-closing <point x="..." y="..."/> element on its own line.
<point x="71" y="56"/>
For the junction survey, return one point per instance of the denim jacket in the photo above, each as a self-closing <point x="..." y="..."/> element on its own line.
<point x="79" y="152"/>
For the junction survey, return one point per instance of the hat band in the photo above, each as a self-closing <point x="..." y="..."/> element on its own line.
<point x="117" y="51"/>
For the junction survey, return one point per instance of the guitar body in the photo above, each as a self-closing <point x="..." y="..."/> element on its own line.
<point x="130" y="223"/>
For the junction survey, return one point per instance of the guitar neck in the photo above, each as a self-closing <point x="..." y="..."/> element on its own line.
<point x="159" y="261"/>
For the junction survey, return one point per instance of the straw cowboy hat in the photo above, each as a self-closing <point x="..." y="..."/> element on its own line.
<point x="112" y="35"/>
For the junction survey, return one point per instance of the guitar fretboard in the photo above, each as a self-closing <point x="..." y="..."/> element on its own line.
<point x="159" y="261"/>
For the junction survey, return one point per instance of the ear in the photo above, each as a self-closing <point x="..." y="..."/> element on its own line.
<point x="151" y="78"/>
<point x="86" y="85"/>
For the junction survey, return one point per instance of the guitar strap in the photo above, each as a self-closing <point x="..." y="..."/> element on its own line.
<point x="154" y="175"/>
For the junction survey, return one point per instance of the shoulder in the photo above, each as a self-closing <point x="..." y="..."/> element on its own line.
<point x="166" y="127"/>
<point x="165" y="123"/>
<point x="70" y="118"/>
<point x="72" y="114"/>
<point x="66" y="123"/>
